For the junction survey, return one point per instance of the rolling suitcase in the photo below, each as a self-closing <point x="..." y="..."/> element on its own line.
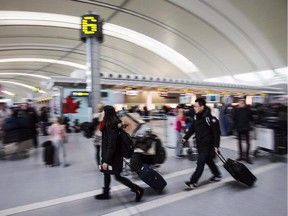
<point x="238" y="171"/>
<point x="48" y="153"/>
<point x="151" y="178"/>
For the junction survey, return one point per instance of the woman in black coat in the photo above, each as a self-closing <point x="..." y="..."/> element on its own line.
<point x="111" y="155"/>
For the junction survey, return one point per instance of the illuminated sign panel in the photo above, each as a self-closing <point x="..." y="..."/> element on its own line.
<point x="91" y="26"/>
<point x="79" y="94"/>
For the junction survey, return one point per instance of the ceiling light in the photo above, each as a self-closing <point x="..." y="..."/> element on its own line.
<point x="21" y="84"/>
<point x="8" y="93"/>
<point x="52" y="61"/>
<point x="25" y="74"/>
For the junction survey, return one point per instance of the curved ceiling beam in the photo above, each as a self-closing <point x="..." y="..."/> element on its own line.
<point x="52" y="61"/>
<point x="9" y="70"/>
<point x="64" y="21"/>
<point x="127" y="67"/>
<point x="21" y="84"/>
<point x="24" y="74"/>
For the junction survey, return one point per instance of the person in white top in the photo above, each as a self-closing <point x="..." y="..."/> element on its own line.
<point x="59" y="137"/>
<point x="98" y="117"/>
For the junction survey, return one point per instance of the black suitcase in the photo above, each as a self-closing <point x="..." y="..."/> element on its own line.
<point x="151" y="177"/>
<point x="48" y="153"/>
<point x="238" y="171"/>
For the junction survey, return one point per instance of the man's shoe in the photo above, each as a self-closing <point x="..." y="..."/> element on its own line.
<point x="239" y="159"/>
<point x="215" y="179"/>
<point x="103" y="196"/>
<point x="190" y="185"/>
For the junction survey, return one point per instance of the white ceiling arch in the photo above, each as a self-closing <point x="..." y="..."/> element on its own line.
<point x="221" y="38"/>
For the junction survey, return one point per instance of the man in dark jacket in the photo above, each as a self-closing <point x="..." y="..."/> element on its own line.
<point x="31" y="116"/>
<point x="207" y="133"/>
<point x="242" y="118"/>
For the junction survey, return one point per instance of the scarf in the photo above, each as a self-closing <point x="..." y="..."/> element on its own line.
<point x="101" y="127"/>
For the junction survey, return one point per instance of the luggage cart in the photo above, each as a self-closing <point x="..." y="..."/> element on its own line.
<point x="147" y="144"/>
<point x="271" y="141"/>
<point x="17" y="142"/>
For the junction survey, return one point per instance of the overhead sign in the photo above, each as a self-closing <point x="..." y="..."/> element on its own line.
<point x="131" y="93"/>
<point x="79" y="94"/>
<point x="91" y="26"/>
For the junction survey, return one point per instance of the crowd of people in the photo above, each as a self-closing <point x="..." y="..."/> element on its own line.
<point x="199" y="120"/>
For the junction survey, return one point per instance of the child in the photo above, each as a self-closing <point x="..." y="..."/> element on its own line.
<point x="59" y="137"/>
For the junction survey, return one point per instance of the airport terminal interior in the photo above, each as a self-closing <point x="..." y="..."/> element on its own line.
<point x="31" y="189"/>
<point x="150" y="60"/>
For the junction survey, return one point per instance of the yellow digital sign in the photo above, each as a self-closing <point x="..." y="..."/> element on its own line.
<point x="91" y="26"/>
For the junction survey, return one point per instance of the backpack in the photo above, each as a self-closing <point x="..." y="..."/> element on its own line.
<point x="127" y="144"/>
<point x="160" y="156"/>
<point x="88" y="128"/>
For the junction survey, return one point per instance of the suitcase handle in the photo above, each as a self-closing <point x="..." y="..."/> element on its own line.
<point x="221" y="157"/>
<point x="126" y="162"/>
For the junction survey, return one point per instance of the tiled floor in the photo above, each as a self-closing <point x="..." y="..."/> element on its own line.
<point x="29" y="188"/>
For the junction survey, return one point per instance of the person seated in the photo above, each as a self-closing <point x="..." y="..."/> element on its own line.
<point x="76" y="126"/>
<point x="148" y="150"/>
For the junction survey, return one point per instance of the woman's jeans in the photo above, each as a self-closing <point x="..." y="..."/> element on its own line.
<point x="59" y="153"/>
<point x="179" y="147"/>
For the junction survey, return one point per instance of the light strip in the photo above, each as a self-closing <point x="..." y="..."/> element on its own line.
<point x="64" y="21"/>
<point x="21" y="84"/>
<point x="8" y="93"/>
<point x="24" y="74"/>
<point x="52" y="61"/>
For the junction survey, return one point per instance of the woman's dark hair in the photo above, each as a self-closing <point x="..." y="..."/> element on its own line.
<point x="110" y="118"/>
<point x="201" y="101"/>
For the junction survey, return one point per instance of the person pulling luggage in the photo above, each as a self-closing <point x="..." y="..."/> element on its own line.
<point x="112" y="159"/>
<point x="207" y="133"/>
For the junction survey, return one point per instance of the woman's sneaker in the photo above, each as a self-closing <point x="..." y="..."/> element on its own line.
<point x="215" y="179"/>
<point x="190" y="185"/>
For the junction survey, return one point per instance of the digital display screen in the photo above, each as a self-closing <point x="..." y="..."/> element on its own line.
<point x="212" y="98"/>
<point x="91" y="26"/>
<point x="79" y="94"/>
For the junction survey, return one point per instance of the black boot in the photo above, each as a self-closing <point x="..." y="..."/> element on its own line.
<point x="139" y="193"/>
<point x="104" y="196"/>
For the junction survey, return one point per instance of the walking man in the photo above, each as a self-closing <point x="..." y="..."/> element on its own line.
<point x="207" y="133"/>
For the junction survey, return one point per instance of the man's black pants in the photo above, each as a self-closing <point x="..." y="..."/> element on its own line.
<point x="204" y="157"/>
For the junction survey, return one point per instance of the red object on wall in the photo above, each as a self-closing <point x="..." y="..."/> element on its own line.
<point x="70" y="106"/>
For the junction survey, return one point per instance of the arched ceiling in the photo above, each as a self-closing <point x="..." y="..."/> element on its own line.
<point x="200" y="40"/>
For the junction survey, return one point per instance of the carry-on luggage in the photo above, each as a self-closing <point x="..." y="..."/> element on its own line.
<point x="48" y="153"/>
<point x="238" y="170"/>
<point x="151" y="177"/>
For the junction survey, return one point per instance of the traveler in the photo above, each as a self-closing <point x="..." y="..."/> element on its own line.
<point x="207" y="133"/>
<point x="111" y="155"/>
<point x="242" y="118"/>
<point x="76" y="126"/>
<point x="59" y="137"/>
<point x="180" y="129"/>
<point x="44" y="119"/>
<point x="97" y="118"/>
<point x="30" y="114"/>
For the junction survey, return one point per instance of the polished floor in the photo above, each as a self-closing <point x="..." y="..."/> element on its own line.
<point x="28" y="188"/>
